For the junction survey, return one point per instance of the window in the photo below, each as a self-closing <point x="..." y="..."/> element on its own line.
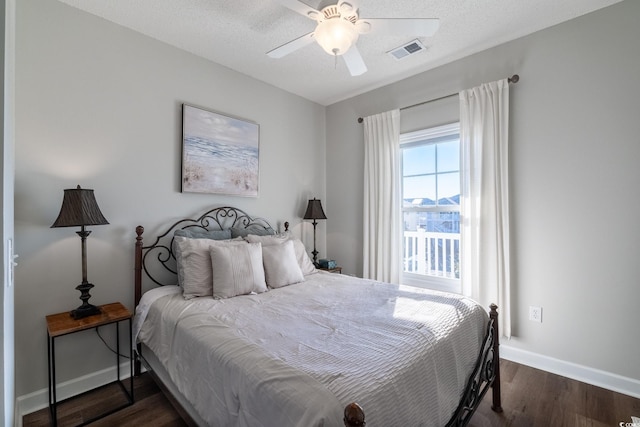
<point x="431" y="207"/>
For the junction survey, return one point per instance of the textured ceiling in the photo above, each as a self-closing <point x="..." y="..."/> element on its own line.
<point x="238" y="33"/>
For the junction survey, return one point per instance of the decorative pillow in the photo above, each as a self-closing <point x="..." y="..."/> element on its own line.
<point x="268" y="240"/>
<point x="304" y="262"/>
<point x="195" y="233"/>
<point x="237" y="270"/>
<point x="200" y="233"/>
<point x="251" y="230"/>
<point x="306" y="265"/>
<point x="280" y="265"/>
<point x="194" y="264"/>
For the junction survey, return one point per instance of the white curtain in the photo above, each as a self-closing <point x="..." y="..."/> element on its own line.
<point x="382" y="238"/>
<point x="484" y="129"/>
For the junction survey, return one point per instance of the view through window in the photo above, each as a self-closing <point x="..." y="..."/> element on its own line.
<point x="431" y="207"/>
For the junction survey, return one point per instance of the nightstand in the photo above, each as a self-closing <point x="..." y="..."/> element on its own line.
<point x="62" y="324"/>
<point x="332" y="270"/>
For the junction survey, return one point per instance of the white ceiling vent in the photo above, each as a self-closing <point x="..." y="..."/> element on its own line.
<point x="407" y="49"/>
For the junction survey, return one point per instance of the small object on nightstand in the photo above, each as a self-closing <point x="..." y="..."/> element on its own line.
<point x="62" y="324"/>
<point x="327" y="264"/>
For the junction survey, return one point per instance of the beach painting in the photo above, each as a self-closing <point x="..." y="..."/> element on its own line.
<point x="219" y="153"/>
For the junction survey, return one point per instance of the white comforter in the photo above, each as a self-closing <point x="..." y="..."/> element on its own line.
<point x="295" y="356"/>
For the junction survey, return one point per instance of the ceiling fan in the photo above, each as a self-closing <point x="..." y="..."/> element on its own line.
<point x="339" y="26"/>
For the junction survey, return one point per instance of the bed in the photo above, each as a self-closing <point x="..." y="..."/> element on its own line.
<point x="275" y="342"/>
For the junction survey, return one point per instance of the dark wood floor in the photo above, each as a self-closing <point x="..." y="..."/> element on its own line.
<point x="151" y="408"/>
<point x="530" y="397"/>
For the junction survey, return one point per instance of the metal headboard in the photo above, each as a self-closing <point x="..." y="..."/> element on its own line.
<point x="158" y="260"/>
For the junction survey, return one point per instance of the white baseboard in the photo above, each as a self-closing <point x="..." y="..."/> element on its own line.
<point x="585" y="374"/>
<point x="40" y="399"/>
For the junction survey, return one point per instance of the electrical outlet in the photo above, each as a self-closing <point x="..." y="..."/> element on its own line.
<point x="535" y="314"/>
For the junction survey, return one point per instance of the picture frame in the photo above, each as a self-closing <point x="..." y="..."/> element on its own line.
<point x="220" y="153"/>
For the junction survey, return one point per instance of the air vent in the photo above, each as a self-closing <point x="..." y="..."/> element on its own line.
<point x="410" y="48"/>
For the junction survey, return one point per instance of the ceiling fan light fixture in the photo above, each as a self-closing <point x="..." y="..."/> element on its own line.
<point x="336" y="35"/>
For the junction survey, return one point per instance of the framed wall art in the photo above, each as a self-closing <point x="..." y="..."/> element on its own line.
<point x="220" y="154"/>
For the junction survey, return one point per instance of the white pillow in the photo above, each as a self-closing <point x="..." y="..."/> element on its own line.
<point x="275" y="239"/>
<point x="237" y="270"/>
<point x="194" y="264"/>
<point x="304" y="262"/>
<point x="280" y="265"/>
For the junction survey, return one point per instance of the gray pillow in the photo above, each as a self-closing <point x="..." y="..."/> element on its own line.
<point x="255" y="230"/>
<point x="201" y="233"/>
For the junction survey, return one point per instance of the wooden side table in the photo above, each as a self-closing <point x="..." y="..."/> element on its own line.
<point x="63" y="324"/>
<point x="332" y="270"/>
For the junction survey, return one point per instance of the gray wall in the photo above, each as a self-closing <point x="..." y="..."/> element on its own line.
<point x="574" y="151"/>
<point x="100" y="106"/>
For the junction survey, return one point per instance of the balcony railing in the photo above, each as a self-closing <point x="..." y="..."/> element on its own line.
<point x="432" y="254"/>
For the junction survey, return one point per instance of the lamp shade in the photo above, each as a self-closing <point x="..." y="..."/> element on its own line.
<point x="79" y="208"/>
<point x="336" y="35"/>
<point x="314" y="210"/>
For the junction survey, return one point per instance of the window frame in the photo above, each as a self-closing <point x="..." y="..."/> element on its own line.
<point x="428" y="136"/>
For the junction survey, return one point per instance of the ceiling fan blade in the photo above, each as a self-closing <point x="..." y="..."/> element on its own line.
<point x="301" y="8"/>
<point x="291" y="46"/>
<point x="354" y="61"/>
<point x="348" y="7"/>
<point x="404" y="26"/>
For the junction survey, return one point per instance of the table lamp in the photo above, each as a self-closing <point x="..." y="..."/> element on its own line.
<point x="79" y="209"/>
<point x="314" y="212"/>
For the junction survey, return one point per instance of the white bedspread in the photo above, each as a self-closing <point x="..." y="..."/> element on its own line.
<point x="295" y="356"/>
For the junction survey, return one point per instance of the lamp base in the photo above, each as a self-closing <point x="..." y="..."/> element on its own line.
<point x="84" y="311"/>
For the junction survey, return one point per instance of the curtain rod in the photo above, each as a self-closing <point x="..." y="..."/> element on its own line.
<point x="513" y="79"/>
